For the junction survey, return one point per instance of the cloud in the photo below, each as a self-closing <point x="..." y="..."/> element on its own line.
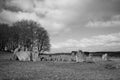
<point x="70" y="16"/>
<point x="103" y="24"/>
<point x="21" y="5"/>
<point x="2" y="5"/>
<point x="8" y="17"/>
<point x="104" y="40"/>
<point x="99" y="42"/>
<point x="64" y="13"/>
<point x="54" y="15"/>
<point x="68" y="43"/>
<point x="113" y="22"/>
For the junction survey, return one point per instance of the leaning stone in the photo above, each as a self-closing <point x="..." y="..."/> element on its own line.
<point x="105" y="57"/>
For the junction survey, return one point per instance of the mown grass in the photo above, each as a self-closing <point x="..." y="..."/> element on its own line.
<point x="45" y="70"/>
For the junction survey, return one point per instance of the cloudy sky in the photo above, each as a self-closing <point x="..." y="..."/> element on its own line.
<point x="89" y="25"/>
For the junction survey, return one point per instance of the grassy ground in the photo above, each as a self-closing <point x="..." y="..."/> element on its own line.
<point x="18" y="70"/>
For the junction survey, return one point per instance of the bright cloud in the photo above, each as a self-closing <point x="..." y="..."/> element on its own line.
<point x="100" y="40"/>
<point x="8" y="16"/>
<point x="68" y="43"/>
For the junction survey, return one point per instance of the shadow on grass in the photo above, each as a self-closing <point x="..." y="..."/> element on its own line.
<point x="16" y="79"/>
<point x="110" y="67"/>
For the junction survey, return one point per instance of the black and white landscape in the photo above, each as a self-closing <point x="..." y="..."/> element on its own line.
<point x="59" y="39"/>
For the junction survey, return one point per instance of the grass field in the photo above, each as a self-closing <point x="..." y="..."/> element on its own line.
<point x="18" y="70"/>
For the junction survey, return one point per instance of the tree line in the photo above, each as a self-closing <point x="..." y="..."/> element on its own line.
<point x="25" y="33"/>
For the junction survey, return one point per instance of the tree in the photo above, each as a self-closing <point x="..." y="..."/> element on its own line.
<point x="42" y="40"/>
<point x="30" y="34"/>
<point x="4" y="35"/>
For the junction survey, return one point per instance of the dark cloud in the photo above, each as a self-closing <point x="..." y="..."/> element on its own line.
<point x="3" y="6"/>
<point x="104" y="5"/>
<point x="103" y="8"/>
<point x="40" y="15"/>
<point x="18" y="5"/>
<point x="12" y="8"/>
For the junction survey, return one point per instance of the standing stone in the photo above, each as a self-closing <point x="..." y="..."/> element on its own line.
<point x="105" y="57"/>
<point x="90" y="57"/>
<point x="80" y="57"/>
<point x="15" y="53"/>
<point x="21" y="55"/>
<point x="35" y="51"/>
<point x="35" y="54"/>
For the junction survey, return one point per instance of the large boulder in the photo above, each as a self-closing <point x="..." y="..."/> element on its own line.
<point x="23" y="55"/>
